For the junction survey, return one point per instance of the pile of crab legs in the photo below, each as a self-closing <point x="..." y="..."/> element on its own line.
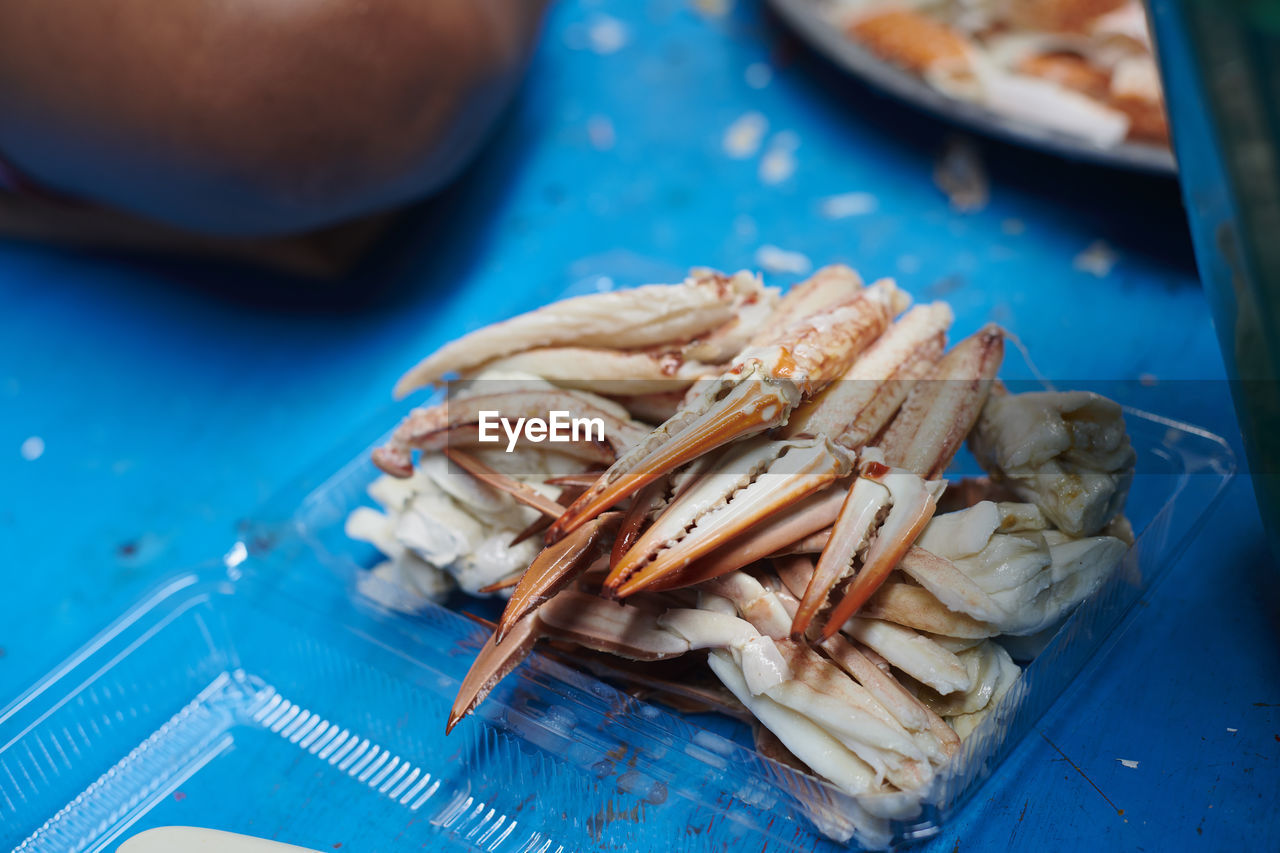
<point x="777" y="518"/>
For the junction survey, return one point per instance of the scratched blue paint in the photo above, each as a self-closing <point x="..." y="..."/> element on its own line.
<point x="172" y="400"/>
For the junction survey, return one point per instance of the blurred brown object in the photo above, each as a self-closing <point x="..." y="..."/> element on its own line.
<point x="255" y="119"/>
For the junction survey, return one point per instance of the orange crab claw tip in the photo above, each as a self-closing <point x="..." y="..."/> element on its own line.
<point x="750" y="407"/>
<point x="554" y="568"/>
<point x="852" y="526"/>
<point x="899" y="531"/>
<point x="494" y="662"/>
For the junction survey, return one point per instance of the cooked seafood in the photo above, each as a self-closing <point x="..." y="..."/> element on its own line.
<point x="1081" y="67"/>
<point x="822" y="426"/>
<point x="706" y="319"/>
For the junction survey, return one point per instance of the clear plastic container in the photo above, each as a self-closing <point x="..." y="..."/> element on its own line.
<point x="285" y="693"/>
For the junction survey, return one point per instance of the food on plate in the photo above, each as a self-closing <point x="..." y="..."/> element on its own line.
<point x="788" y="519"/>
<point x="1080" y="67"/>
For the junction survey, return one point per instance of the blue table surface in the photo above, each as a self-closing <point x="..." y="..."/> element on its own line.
<point x="172" y="398"/>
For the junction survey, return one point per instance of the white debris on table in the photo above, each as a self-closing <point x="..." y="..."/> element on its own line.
<point x="848" y="204"/>
<point x="742" y="139"/>
<point x="776" y="260"/>
<point x="779" y="160"/>
<point x="1098" y="259"/>
<point x="32" y="449"/>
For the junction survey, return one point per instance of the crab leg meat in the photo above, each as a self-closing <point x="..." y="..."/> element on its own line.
<point x="932" y="733"/>
<point x="642" y="317"/>
<point x="605" y="371"/>
<point x="456" y="421"/>
<point x="918" y="445"/>
<point x="808" y="741"/>
<point x="854" y="408"/>
<point x="856" y="718"/>
<point x="766" y="382"/>
<point x="915" y="607"/>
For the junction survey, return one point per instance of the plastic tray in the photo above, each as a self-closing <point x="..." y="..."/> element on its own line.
<point x="284" y="693"/>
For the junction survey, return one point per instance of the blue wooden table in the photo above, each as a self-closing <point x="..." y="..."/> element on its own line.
<point x="147" y="408"/>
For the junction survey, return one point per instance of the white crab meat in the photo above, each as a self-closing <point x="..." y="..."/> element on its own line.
<point x="604" y="371"/>
<point x="912" y="652"/>
<point x="913" y="606"/>
<point x="1066" y="452"/>
<point x="870" y="691"/>
<point x="452" y="524"/>
<point x="1033" y="575"/>
<point x="808" y="741"/>
<point x="845" y="710"/>
<point x="986" y="663"/>
<point x="756" y="655"/>
<point x="403" y="569"/>
<point x="1043" y="103"/>
<point x="994" y="674"/>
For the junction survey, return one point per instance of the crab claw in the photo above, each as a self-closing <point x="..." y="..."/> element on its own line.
<point x="853" y="526"/>
<point x="817" y="332"/>
<point x="795" y="523"/>
<point x="587" y="620"/>
<point x="495" y="661"/>
<point x="750" y="482"/>
<point x="555" y="567"/>
<point x="648" y="502"/>
<point x="919" y="443"/>
<point x="731" y="411"/>
<point x="912" y="502"/>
